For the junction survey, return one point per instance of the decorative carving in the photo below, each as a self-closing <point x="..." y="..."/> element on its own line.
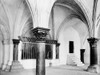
<point x="40" y="33"/>
<point x="93" y="40"/>
<point x="34" y="40"/>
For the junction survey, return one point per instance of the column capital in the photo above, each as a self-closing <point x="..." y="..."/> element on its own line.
<point x="40" y="33"/>
<point x="58" y="44"/>
<point x="83" y="50"/>
<point x="93" y="40"/>
<point x="51" y="42"/>
<point x="16" y="41"/>
<point x="6" y="41"/>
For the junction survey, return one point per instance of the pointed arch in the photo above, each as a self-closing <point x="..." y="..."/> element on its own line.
<point x="70" y="23"/>
<point x="85" y="15"/>
<point x="23" y="16"/>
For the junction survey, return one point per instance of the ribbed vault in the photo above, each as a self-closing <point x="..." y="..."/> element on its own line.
<point x="79" y="10"/>
<point x="14" y="15"/>
<point x="66" y="14"/>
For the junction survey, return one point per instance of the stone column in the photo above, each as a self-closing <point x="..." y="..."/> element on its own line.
<point x="40" y="34"/>
<point x="94" y="67"/>
<point x="53" y="55"/>
<point x="1" y="54"/>
<point x="5" y="53"/>
<point x="54" y="51"/>
<point x="40" y="60"/>
<point x="15" y="49"/>
<point x="20" y="51"/>
<point x="15" y="63"/>
<point x="57" y="50"/>
<point x="10" y="55"/>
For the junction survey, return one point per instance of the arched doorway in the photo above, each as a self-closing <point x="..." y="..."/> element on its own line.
<point x="68" y="22"/>
<point x="64" y="39"/>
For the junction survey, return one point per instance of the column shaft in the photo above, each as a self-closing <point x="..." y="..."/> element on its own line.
<point x="15" y="52"/>
<point x="10" y="59"/>
<point x="57" y="50"/>
<point x="54" y="51"/>
<point x="11" y="55"/>
<point x="5" y="54"/>
<point x="1" y="54"/>
<point x="40" y="61"/>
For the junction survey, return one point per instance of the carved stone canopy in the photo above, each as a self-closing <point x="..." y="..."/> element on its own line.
<point x="40" y="33"/>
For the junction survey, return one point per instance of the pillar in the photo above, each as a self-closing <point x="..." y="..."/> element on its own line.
<point x="15" y="49"/>
<point x="40" y="34"/>
<point x="53" y="54"/>
<point x="57" y="50"/>
<point x="10" y="56"/>
<point x="15" y="63"/>
<point x="5" y="53"/>
<point x="54" y="51"/>
<point x="40" y="61"/>
<point x="1" y="54"/>
<point x="93" y="67"/>
<point x="19" y="50"/>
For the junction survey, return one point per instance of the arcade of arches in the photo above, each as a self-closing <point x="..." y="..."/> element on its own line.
<point x="69" y="27"/>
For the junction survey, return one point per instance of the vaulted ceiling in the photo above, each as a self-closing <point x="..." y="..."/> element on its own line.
<point x="15" y="14"/>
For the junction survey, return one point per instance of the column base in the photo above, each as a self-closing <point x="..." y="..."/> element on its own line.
<point x="4" y="67"/>
<point x="16" y="66"/>
<point x="94" y="69"/>
<point x="8" y="68"/>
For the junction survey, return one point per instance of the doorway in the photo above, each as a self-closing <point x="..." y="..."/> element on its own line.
<point x="71" y="46"/>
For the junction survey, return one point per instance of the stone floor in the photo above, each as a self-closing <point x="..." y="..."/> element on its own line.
<point x="58" y="70"/>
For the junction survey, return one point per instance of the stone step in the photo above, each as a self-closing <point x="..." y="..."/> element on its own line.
<point x="16" y="66"/>
<point x="75" y="60"/>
